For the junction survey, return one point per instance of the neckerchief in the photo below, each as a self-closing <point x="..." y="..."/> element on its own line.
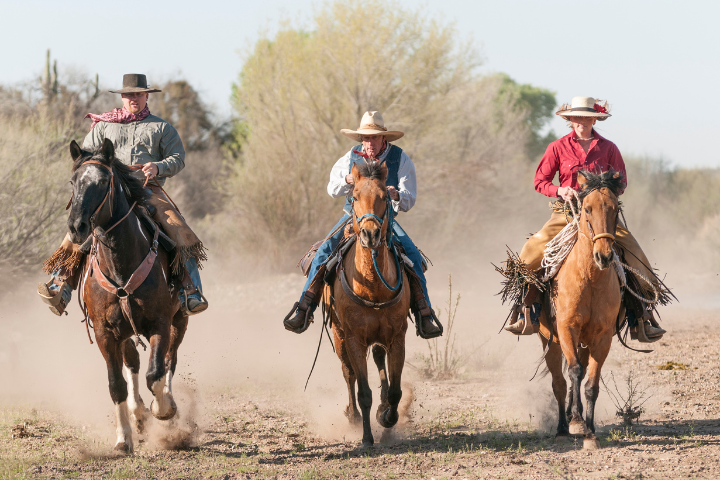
<point x="118" y="115"/>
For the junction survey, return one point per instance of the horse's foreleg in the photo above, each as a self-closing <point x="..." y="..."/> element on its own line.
<point x="598" y="353"/>
<point x="379" y="357"/>
<point x="576" y="372"/>
<point x="357" y="355"/>
<point x="177" y="333"/>
<point x="553" y="360"/>
<point x="163" y="406"/>
<point x="351" y="411"/>
<point x="131" y="367"/>
<point x="110" y="349"/>
<point x="395" y="360"/>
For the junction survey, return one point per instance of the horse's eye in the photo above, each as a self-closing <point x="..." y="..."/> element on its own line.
<point x="587" y="210"/>
<point x="354" y="199"/>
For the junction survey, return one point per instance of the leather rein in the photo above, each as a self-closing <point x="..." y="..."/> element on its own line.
<point x="399" y="287"/>
<point x="137" y="278"/>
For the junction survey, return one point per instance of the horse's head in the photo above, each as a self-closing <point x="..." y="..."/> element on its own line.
<point x="600" y="211"/>
<point x="370" y="203"/>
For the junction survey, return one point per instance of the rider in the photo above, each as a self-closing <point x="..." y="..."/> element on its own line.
<point x="582" y="149"/>
<point x="402" y="189"/>
<point x="154" y="145"/>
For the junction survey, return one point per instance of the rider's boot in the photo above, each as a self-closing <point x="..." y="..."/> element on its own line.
<point x="427" y="324"/>
<point x="192" y="300"/>
<point x="303" y="310"/>
<point x="529" y="308"/>
<point x="66" y="265"/>
<point x="646" y="330"/>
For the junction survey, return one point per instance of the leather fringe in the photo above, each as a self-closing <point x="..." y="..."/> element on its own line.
<point x="63" y="259"/>
<point x="183" y="254"/>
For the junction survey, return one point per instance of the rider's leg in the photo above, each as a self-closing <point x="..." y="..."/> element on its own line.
<point x="532" y="255"/>
<point x="636" y="258"/>
<point x="191" y="297"/>
<point x="419" y="297"/>
<point x="65" y="265"/>
<point x="310" y="297"/>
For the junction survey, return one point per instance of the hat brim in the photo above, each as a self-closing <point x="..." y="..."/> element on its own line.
<point x="136" y="90"/>
<point x="357" y="135"/>
<point x="569" y="113"/>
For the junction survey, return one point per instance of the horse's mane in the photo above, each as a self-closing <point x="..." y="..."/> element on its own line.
<point x="132" y="186"/>
<point x="372" y="171"/>
<point x="596" y="181"/>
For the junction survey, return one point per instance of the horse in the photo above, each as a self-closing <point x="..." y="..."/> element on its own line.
<point x="127" y="286"/>
<point x="365" y="309"/>
<point x="586" y="295"/>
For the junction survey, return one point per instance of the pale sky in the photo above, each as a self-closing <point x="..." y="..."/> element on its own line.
<point x="657" y="62"/>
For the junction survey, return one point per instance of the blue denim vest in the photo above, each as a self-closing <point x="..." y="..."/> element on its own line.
<point x="393" y="164"/>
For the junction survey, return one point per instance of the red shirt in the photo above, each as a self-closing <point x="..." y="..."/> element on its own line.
<point x="567" y="156"/>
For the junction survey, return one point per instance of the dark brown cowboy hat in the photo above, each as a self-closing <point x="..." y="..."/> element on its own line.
<point x="135" y="83"/>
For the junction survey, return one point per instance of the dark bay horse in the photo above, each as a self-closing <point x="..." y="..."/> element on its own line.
<point x="587" y="298"/>
<point x="118" y="301"/>
<point x="371" y="308"/>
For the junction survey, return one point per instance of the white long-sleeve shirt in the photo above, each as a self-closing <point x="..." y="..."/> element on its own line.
<point x="407" y="184"/>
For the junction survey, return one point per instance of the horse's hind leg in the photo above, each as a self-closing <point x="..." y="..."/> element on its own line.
<point x="177" y="333"/>
<point x="163" y="406"/>
<point x="110" y="349"/>
<point x="553" y="360"/>
<point x="351" y="411"/>
<point x="379" y="357"/>
<point x="131" y="367"/>
<point x="396" y="360"/>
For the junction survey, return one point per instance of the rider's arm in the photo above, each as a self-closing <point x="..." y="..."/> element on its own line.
<point x="172" y="152"/>
<point x="549" y="166"/>
<point x="337" y="186"/>
<point x="407" y="185"/>
<point x="616" y="162"/>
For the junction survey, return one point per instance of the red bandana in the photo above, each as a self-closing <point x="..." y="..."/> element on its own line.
<point x="119" y="115"/>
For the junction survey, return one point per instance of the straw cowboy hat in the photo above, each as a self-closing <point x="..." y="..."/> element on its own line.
<point x="135" y="83"/>
<point x="371" y="124"/>
<point x="584" y="107"/>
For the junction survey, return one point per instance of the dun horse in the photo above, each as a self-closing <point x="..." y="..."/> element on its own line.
<point x="127" y="286"/>
<point x="371" y="303"/>
<point x="587" y="299"/>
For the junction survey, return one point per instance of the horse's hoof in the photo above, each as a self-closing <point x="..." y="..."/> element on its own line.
<point x="368" y="443"/>
<point x="169" y="415"/>
<point x="563" y="438"/>
<point x="123" y="447"/>
<point x="591" y="443"/>
<point x="578" y="428"/>
<point x="386" y="422"/>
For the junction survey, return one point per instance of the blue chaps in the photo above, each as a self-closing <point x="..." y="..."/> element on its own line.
<point x="331" y="242"/>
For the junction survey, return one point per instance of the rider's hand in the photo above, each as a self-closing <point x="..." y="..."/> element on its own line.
<point x="349" y="179"/>
<point x="566" y="193"/>
<point x="150" y="170"/>
<point x="394" y="194"/>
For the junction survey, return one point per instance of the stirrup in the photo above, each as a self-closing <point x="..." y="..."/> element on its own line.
<point x="641" y="336"/>
<point x="433" y="319"/>
<point x="184" y="302"/>
<point x="308" y="319"/>
<point x="59" y="301"/>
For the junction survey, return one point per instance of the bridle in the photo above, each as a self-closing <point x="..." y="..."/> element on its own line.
<point x="597" y="237"/>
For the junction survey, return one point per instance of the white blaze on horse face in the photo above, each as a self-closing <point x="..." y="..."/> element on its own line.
<point x="122" y="425"/>
<point x="91" y="174"/>
<point x="134" y="402"/>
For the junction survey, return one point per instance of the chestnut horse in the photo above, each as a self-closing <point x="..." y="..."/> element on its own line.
<point x="587" y="299"/>
<point x="103" y="189"/>
<point x="371" y="308"/>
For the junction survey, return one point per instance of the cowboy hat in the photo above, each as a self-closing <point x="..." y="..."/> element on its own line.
<point x="135" y="83"/>
<point x="584" y="107"/>
<point x="371" y="124"/>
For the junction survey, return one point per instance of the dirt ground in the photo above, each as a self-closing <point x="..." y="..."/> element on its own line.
<point x="243" y="412"/>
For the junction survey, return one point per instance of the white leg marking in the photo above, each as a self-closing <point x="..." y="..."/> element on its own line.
<point x="168" y="382"/>
<point x="122" y="425"/>
<point x="163" y="406"/>
<point x="134" y="402"/>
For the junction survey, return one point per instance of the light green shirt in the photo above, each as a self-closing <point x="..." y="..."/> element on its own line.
<point x="137" y="143"/>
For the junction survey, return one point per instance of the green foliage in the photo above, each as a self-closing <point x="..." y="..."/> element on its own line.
<point x="538" y="105"/>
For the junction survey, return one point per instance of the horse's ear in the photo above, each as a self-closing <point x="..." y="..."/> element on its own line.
<point x="75" y="150"/>
<point x="581" y="179"/>
<point x="617" y="175"/>
<point x="108" y="149"/>
<point x="355" y="172"/>
<point x="383" y="172"/>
